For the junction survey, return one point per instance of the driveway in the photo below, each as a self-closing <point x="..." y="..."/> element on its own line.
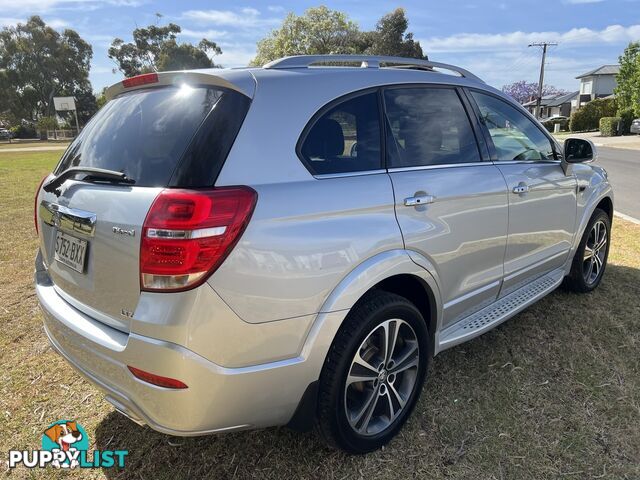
<point x="623" y="167"/>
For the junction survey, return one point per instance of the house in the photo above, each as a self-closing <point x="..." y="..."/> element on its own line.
<point x="597" y="83"/>
<point x="555" y="105"/>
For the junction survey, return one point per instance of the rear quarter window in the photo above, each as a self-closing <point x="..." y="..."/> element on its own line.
<point x="344" y="138"/>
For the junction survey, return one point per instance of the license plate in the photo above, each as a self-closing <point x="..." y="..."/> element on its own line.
<point x="70" y="251"/>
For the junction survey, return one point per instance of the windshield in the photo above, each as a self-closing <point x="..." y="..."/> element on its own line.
<point x="143" y="133"/>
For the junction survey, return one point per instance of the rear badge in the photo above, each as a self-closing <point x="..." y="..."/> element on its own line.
<point x="123" y="231"/>
<point x="126" y="313"/>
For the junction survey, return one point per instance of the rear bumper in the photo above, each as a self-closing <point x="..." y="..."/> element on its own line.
<point x="217" y="398"/>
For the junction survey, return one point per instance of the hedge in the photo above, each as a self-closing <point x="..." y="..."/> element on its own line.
<point x="588" y="116"/>
<point x="627" y="115"/>
<point x="609" y="126"/>
<point x="550" y="123"/>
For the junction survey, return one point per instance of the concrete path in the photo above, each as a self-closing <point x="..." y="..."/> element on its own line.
<point x="34" y="149"/>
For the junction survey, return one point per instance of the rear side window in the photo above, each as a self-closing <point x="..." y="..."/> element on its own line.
<point x="429" y="126"/>
<point x="346" y="138"/>
<point x="145" y="134"/>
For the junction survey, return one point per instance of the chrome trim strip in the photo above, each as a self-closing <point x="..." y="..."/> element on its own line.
<point x="517" y="162"/>
<point x="166" y="234"/>
<point x="434" y="167"/>
<point x="350" y="174"/>
<point x="68" y="219"/>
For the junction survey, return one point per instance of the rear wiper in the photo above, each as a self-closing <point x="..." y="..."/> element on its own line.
<point x="90" y="174"/>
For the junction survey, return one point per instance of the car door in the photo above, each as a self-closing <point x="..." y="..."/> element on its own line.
<point x="542" y="198"/>
<point x="450" y="204"/>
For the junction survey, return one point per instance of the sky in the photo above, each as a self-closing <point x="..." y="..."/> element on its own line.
<point x="489" y="38"/>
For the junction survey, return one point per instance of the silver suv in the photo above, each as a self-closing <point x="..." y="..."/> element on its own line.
<point x="232" y="249"/>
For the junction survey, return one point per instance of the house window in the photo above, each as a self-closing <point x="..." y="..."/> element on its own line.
<point x="585" y="87"/>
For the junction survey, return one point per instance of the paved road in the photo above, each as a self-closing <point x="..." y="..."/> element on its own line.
<point x="623" y="167"/>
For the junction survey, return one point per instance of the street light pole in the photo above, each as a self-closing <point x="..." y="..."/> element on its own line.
<point x="544" y="46"/>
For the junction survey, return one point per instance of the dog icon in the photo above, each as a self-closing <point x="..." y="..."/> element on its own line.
<point x="65" y="435"/>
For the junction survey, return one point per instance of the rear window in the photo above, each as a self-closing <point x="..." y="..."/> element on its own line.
<point x="145" y="134"/>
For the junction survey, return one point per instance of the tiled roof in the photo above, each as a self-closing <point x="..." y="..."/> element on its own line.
<point x="603" y="70"/>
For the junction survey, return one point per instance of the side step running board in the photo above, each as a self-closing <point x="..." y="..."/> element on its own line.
<point x="502" y="309"/>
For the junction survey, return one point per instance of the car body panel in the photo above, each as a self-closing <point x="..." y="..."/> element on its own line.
<point x="541" y="220"/>
<point x="465" y="225"/>
<point x="304" y="237"/>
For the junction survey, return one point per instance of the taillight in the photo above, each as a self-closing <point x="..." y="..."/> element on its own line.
<point x="138" y="80"/>
<point x="158" y="380"/>
<point x="35" y="202"/>
<point x="188" y="233"/>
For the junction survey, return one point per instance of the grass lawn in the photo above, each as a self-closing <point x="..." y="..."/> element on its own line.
<point x="553" y="393"/>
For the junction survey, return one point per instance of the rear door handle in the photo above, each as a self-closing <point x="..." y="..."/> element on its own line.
<point x="418" y="200"/>
<point x="521" y="188"/>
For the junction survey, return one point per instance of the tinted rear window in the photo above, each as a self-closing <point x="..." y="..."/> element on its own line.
<point x="145" y="133"/>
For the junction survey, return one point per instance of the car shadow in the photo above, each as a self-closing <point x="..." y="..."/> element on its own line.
<point x="538" y="334"/>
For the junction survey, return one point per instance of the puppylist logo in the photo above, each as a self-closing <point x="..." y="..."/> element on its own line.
<point x="65" y="444"/>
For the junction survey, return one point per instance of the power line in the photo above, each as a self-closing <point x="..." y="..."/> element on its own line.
<point x="544" y="46"/>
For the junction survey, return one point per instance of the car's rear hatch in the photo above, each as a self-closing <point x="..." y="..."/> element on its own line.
<point x="174" y="134"/>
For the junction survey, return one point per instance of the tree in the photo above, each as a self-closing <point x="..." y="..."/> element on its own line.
<point x="318" y="31"/>
<point x="322" y="31"/>
<point x="155" y="49"/>
<point x="628" y="89"/>
<point x="38" y="63"/>
<point x="523" y="91"/>
<point x="390" y="37"/>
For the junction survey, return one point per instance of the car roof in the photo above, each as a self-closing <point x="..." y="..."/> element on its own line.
<point x="304" y="69"/>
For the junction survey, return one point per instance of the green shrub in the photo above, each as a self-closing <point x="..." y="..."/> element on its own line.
<point x="609" y="126"/>
<point x="24" y="131"/>
<point x="627" y="115"/>
<point x="550" y="123"/>
<point x="588" y="116"/>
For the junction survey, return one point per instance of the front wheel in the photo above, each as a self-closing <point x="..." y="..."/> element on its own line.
<point x="591" y="256"/>
<point x="373" y="373"/>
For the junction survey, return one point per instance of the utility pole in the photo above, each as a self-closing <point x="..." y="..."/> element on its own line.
<point x="544" y="46"/>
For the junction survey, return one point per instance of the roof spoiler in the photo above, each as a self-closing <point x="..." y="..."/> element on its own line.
<point x="238" y="80"/>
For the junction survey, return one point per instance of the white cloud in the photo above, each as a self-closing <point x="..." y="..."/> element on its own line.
<point x="31" y="7"/>
<point x="56" y="23"/>
<point x="208" y="34"/>
<point x="613" y="34"/>
<point x="245" y="18"/>
<point x="9" y="21"/>
<point x="276" y="8"/>
<point x="238" y="55"/>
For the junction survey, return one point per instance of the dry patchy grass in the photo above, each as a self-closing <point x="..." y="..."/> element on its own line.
<point x="553" y="393"/>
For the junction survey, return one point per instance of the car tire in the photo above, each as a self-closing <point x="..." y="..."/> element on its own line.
<point x="590" y="259"/>
<point x="390" y="382"/>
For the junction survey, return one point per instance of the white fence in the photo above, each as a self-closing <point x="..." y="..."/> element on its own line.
<point x="61" y="134"/>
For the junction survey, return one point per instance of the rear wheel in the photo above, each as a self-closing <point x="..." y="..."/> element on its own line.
<point x="591" y="256"/>
<point x="373" y="373"/>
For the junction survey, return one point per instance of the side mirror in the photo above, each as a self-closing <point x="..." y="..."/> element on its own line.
<point x="579" y="150"/>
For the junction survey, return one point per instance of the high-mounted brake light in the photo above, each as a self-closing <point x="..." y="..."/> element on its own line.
<point x="139" y="80"/>
<point x="154" y="379"/>
<point x="35" y="202"/>
<point x="188" y="233"/>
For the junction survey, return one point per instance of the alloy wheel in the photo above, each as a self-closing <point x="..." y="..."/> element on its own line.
<point x="595" y="251"/>
<point x="382" y="376"/>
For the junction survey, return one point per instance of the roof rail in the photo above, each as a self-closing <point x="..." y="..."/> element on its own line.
<point x="366" y="61"/>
